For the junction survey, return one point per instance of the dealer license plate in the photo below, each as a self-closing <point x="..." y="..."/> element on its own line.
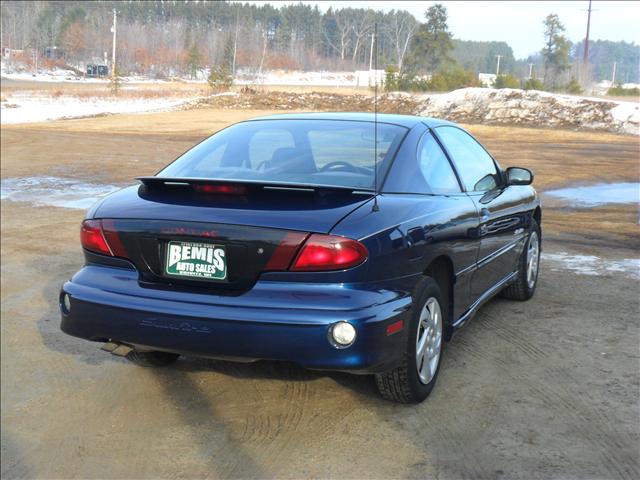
<point x="196" y="261"/>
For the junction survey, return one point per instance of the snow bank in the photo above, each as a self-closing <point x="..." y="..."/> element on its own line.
<point x="532" y="108"/>
<point x="20" y="108"/>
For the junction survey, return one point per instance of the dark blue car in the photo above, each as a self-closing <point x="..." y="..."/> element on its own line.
<point x="330" y="240"/>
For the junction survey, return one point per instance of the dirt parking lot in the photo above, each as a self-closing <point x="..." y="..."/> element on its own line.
<point x="544" y="389"/>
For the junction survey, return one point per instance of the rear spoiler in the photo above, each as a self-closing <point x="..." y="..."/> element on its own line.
<point x="168" y="182"/>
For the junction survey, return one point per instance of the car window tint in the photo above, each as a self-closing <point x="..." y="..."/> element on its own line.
<point x="211" y="160"/>
<point x="474" y="165"/>
<point x="265" y="143"/>
<point x="297" y="151"/>
<point x="435" y="167"/>
<point x="354" y="146"/>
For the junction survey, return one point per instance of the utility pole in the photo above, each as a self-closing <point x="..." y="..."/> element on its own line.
<point x="585" y="58"/>
<point x="498" y="67"/>
<point x="371" y="58"/>
<point x="613" y="75"/>
<point x="371" y="53"/>
<point x="235" y="42"/>
<point x="113" y="53"/>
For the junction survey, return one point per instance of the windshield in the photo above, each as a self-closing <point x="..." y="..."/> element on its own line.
<point x="311" y="152"/>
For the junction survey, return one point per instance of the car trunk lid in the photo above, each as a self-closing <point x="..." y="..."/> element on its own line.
<point x="259" y="229"/>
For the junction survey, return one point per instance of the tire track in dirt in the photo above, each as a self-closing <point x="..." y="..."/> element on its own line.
<point x="591" y="423"/>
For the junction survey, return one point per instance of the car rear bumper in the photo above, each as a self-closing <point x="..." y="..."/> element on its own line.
<point x="274" y="320"/>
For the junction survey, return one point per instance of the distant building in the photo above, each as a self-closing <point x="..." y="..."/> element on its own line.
<point x="11" y="53"/>
<point x="53" y="53"/>
<point x="487" y="79"/>
<point x="97" y="71"/>
<point x="368" y="78"/>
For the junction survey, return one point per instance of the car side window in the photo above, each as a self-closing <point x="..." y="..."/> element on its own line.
<point x="435" y="167"/>
<point x="475" y="166"/>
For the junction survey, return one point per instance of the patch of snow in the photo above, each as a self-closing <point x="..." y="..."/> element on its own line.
<point x="358" y="78"/>
<point x="54" y="191"/>
<point x="592" y="265"/>
<point x="599" y="194"/>
<point x="20" y="108"/>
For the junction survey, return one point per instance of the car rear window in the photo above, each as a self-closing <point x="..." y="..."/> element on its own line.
<point x="314" y="152"/>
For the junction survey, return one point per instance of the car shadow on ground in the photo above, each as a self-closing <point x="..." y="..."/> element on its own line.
<point x="49" y="326"/>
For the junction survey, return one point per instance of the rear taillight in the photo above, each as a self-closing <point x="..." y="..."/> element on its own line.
<point x="92" y="237"/>
<point x="286" y="251"/>
<point x="329" y="252"/>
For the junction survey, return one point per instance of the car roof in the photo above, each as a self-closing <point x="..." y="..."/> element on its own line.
<point x="408" y="121"/>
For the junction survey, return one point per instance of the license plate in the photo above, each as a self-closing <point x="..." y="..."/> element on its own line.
<point x="197" y="261"/>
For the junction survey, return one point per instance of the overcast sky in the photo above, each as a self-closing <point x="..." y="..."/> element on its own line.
<point x="516" y="22"/>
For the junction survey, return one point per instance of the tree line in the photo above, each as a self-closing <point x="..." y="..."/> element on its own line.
<point x="168" y="37"/>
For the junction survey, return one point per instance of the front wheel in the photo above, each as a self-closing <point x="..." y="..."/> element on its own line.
<point x="414" y="379"/>
<point x="529" y="264"/>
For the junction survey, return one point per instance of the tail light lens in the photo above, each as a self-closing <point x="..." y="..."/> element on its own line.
<point x="329" y="252"/>
<point x="92" y="237"/>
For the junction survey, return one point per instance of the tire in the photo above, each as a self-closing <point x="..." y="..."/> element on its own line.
<point x="403" y="384"/>
<point x="152" y="359"/>
<point x="524" y="287"/>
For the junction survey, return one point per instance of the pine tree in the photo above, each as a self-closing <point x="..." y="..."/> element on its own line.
<point x="193" y="61"/>
<point x="556" y="50"/>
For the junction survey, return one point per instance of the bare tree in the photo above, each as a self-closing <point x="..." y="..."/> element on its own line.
<point x="401" y="30"/>
<point x="361" y="29"/>
<point x="343" y="28"/>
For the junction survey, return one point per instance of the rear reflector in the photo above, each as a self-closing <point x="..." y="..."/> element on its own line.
<point x="92" y="238"/>
<point x="395" y="327"/>
<point x="329" y="252"/>
<point x="285" y="252"/>
<point x="220" y="189"/>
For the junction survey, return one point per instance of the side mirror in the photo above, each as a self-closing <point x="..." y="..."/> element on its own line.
<point x="519" y="176"/>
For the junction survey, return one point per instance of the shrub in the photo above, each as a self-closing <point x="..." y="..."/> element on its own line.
<point x="533" y="84"/>
<point x="115" y="82"/>
<point x="506" y="81"/>
<point x="452" y="78"/>
<point x="220" y="78"/>
<point x="619" y="90"/>
<point x="391" y="78"/>
<point x="573" y="86"/>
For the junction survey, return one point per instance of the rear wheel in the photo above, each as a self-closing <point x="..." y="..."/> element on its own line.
<point x="527" y="279"/>
<point x="413" y="380"/>
<point x="152" y="359"/>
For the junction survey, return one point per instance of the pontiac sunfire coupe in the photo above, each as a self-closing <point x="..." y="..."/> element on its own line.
<point x="330" y="240"/>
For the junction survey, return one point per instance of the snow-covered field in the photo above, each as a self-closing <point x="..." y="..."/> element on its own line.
<point x="24" y="108"/>
<point x="358" y="78"/>
<point x="470" y="105"/>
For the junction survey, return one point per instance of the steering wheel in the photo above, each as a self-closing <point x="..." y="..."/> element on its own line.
<point x="343" y="166"/>
<point x="262" y="165"/>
